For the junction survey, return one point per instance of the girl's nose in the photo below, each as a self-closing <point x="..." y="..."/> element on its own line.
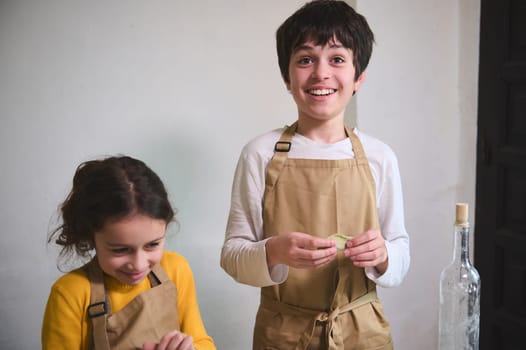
<point x="138" y="262"/>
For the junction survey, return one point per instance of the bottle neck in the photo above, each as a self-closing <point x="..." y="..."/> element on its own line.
<point x="461" y="249"/>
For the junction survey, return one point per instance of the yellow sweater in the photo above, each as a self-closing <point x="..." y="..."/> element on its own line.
<point x="67" y="326"/>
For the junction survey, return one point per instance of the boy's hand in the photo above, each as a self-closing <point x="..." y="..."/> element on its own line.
<point x="174" y="340"/>
<point x="368" y="250"/>
<point x="300" y="250"/>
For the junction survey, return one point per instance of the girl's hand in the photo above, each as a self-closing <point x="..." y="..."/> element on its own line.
<point x="300" y="250"/>
<point x="174" y="340"/>
<point x="368" y="250"/>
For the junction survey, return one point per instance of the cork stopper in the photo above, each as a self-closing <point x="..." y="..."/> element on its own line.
<point x="462" y="214"/>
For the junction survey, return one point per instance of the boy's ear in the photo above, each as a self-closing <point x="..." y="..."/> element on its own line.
<point x="358" y="82"/>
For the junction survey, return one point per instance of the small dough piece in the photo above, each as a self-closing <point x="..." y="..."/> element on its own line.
<point x="341" y="239"/>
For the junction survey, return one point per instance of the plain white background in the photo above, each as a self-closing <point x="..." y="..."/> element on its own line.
<point x="183" y="85"/>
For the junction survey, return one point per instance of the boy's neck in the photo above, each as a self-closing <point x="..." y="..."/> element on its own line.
<point x="327" y="131"/>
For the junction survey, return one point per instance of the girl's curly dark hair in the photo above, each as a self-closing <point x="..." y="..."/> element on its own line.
<point x="103" y="190"/>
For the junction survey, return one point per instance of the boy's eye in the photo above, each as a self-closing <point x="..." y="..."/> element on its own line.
<point x="305" y="60"/>
<point x="338" y="60"/>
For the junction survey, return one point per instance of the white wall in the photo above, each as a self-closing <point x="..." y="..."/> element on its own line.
<point x="183" y="85"/>
<point x="420" y="97"/>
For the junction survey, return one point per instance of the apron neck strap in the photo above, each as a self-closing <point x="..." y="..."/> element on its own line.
<point x="281" y="153"/>
<point x="157" y="275"/>
<point x="357" y="148"/>
<point x="99" y="307"/>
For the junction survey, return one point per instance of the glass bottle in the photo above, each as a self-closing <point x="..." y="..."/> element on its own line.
<point x="459" y="310"/>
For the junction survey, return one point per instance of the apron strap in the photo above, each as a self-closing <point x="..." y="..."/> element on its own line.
<point x="357" y="148"/>
<point x="359" y="153"/>
<point x="281" y="153"/>
<point x="99" y="307"/>
<point x="157" y="276"/>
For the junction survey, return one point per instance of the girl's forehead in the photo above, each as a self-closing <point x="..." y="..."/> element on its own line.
<point x="133" y="228"/>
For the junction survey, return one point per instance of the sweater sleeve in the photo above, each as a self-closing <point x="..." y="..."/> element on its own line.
<point x="243" y="255"/>
<point x="190" y="321"/>
<point x="64" y="325"/>
<point x="391" y="215"/>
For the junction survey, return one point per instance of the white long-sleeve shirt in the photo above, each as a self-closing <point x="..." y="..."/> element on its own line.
<point x="243" y="255"/>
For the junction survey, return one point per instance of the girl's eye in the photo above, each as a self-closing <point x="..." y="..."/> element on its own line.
<point x="152" y="245"/>
<point x="120" y="250"/>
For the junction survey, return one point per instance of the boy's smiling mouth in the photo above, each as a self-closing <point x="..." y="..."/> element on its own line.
<point x="321" y="92"/>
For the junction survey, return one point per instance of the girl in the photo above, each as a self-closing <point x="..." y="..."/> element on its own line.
<point x="132" y="294"/>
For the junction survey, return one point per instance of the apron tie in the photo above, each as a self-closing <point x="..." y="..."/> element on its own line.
<point x="333" y="333"/>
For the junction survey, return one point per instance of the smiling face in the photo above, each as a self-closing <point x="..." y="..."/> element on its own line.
<point x="322" y="80"/>
<point x="128" y="248"/>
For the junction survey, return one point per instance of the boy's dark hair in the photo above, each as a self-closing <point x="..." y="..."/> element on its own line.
<point x="321" y="21"/>
<point x="106" y="190"/>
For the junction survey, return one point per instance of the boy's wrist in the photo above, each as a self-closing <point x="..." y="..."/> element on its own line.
<point x="381" y="268"/>
<point x="269" y="249"/>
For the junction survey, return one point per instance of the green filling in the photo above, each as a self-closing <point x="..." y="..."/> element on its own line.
<point x="341" y="239"/>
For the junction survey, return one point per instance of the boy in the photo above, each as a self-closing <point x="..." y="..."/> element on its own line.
<point x="295" y="187"/>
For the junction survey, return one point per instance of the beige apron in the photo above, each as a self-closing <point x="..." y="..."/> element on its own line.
<point x="334" y="306"/>
<point x="148" y="317"/>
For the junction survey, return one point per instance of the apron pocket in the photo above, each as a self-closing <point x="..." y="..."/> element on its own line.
<point x="368" y="328"/>
<point x="275" y="330"/>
